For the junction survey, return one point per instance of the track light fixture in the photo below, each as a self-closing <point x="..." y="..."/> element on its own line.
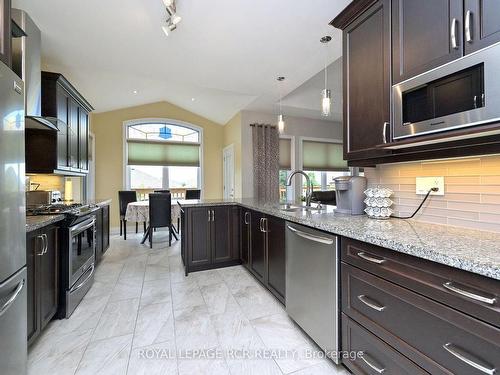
<point x="173" y="18"/>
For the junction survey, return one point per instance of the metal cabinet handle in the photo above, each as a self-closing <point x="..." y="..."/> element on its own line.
<point x="384" y="131"/>
<point x="453" y="33"/>
<point x="370" y="364"/>
<point x="213" y="215"/>
<point x="40" y="237"/>
<point x="468" y="30"/>
<point x="46" y="241"/>
<point x="307" y="236"/>
<point x="371" y="258"/>
<point x="260" y="224"/>
<point x="265" y="225"/>
<point x="465" y="357"/>
<point x="12" y="297"/>
<point x="209" y="216"/>
<point x="450" y="286"/>
<point x="372" y="304"/>
<point x="245" y="218"/>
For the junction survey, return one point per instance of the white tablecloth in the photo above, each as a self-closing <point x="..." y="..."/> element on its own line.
<point x="139" y="211"/>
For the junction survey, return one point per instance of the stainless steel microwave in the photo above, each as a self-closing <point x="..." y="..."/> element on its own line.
<point x="459" y="94"/>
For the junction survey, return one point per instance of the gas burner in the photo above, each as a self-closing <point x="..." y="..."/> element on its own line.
<point x="68" y="209"/>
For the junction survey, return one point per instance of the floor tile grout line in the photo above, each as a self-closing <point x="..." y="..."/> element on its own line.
<point x="173" y="320"/>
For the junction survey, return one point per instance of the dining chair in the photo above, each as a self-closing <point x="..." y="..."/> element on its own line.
<point x="160" y="215"/>
<point x="124" y="198"/>
<point x="193" y="194"/>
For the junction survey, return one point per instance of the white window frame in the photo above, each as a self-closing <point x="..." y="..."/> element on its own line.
<point x="166" y="121"/>
<point x="290" y="190"/>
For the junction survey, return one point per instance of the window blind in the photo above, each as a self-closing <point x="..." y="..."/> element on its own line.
<point x="285" y="153"/>
<point x="323" y="156"/>
<point x="168" y="154"/>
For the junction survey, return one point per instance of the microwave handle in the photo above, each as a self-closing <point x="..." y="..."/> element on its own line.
<point x="453" y="33"/>
<point x="384" y="131"/>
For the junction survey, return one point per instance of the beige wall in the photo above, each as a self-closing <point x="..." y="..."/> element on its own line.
<point x="232" y="135"/>
<point x="108" y="130"/>
<point x="472" y="190"/>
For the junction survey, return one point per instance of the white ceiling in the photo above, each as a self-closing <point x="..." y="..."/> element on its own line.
<point x="225" y="54"/>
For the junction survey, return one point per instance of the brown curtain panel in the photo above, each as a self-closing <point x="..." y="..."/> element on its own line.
<point x="265" y="162"/>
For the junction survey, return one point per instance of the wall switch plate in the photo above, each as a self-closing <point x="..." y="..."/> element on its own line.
<point x="424" y="184"/>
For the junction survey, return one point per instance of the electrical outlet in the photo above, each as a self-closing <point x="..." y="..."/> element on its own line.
<point x="424" y="184"/>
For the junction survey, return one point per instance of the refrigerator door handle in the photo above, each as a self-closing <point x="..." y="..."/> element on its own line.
<point x="12" y="297"/>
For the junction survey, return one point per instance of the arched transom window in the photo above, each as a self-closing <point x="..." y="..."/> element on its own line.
<point x="163" y="154"/>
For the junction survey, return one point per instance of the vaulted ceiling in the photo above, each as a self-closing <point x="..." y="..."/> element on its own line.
<point x="224" y="56"/>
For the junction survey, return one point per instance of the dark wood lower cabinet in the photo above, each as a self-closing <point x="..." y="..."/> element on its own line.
<point x="102" y="232"/>
<point x="211" y="238"/>
<point x="403" y="302"/>
<point x="42" y="255"/>
<point x="267" y="251"/>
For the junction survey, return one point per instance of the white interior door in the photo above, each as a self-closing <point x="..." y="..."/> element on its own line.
<point x="228" y="168"/>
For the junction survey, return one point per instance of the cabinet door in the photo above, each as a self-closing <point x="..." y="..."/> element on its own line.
<point x="258" y="247"/>
<point x="481" y="24"/>
<point x="48" y="276"/>
<point x="33" y="247"/>
<point x="245" y="220"/>
<point x="73" y="133"/>
<point x="423" y="35"/>
<point x="275" y="228"/>
<point x="105" y="228"/>
<point x="235" y="235"/>
<point x="198" y="231"/>
<point x="98" y="235"/>
<point x="220" y="235"/>
<point x="83" y="135"/>
<point x="367" y="82"/>
<point x="5" y="38"/>
<point x="62" y="134"/>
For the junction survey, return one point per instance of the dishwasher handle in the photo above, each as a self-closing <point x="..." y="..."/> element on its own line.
<point x="311" y="237"/>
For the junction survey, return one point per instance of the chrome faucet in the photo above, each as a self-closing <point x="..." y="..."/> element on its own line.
<point x="308" y="182"/>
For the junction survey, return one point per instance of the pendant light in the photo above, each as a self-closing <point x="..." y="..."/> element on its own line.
<point x="326" y="94"/>
<point x="281" y="118"/>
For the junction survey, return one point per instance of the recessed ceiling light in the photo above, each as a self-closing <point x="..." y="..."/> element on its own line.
<point x="193" y="99"/>
<point x="135" y="92"/>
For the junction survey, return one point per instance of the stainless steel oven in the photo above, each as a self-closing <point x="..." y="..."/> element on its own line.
<point x="462" y="93"/>
<point x="78" y="262"/>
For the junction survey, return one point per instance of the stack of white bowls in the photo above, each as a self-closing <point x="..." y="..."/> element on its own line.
<point x="378" y="203"/>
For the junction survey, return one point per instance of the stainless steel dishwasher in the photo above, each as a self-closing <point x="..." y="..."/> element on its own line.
<point x="312" y="284"/>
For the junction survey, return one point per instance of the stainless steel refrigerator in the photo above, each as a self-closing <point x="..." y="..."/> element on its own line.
<point x="13" y="312"/>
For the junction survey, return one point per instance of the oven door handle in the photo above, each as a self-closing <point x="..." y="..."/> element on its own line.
<point x="82" y="226"/>
<point x="91" y="268"/>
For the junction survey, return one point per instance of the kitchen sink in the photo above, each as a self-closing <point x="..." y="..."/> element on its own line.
<point x="294" y="208"/>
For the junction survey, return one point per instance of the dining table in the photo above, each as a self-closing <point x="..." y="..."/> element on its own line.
<point x="139" y="212"/>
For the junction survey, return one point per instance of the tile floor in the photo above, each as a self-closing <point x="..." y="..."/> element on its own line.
<point x="143" y="316"/>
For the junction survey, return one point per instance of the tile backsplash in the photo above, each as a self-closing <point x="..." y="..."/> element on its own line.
<point x="472" y="190"/>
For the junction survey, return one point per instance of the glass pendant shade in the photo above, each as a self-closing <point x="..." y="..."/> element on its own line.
<point x="281" y="123"/>
<point x="326" y="102"/>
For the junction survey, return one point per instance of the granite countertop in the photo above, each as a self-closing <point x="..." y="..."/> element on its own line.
<point x="98" y="202"/>
<point x="467" y="249"/>
<point x="36" y="222"/>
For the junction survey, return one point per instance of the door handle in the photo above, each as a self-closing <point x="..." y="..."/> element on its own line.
<point x="370" y="303"/>
<point x="311" y="237"/>
<point x="465" y="357"/>
<point x="468" y="30"/>
<point x="384" y="131"/>
<point x="40" y="237"/>
<point x="453" y="33"/>
<point x="12" y="297"/>
<point x="469" y="294"/>
<point x="371" y="258"/>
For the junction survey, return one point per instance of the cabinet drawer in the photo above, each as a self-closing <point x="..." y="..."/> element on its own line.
<point x="378" y="357"/>
<point x="436" y="337"/>
<point x="473" y="294"/>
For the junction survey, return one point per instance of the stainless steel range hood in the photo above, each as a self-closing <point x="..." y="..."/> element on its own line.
<point x="26" y="63"/>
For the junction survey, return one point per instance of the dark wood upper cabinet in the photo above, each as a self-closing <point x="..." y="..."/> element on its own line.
<point x="426" y="34"/>
<point x="64" y="151"/>
<point x="481" y="24"/>
<point x="43" y="279"/>
<point x="367" y="82"/>
<point x="5" y="33"/>
<point x="276" y="255"/>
